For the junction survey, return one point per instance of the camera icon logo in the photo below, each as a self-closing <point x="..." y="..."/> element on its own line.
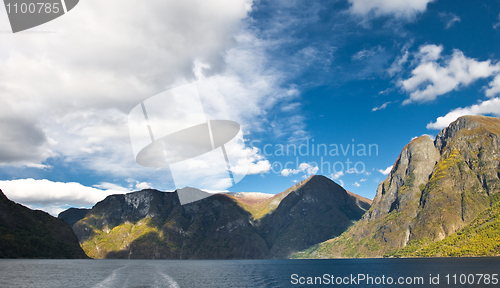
<point x="172" y="130"/>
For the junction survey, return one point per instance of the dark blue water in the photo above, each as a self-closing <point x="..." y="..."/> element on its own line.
<point x="251" y="273"/>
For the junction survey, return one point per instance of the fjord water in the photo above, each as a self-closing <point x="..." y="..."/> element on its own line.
<point x="233" y="273"/>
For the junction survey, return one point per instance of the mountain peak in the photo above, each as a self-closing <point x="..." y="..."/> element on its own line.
<point x="190" y="194"/>
<point x="468" y="122"/>
<point x="312" y="180"/>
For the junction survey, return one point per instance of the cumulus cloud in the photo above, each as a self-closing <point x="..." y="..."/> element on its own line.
<point x="142" y="185"/>
<point x="92" y="65"/>
<point x="436" y="75"/>
<point x="87" y="76"/>
<point x="249" y="161"/>
<point x="385" y="171"/>
<point x="406" y="10"/>
<point x="356" y="184"/>
<point x="494" y="87"/>
<point x="449" y="19"/>
<point x="54" y="197"/>
<point x="306" y="168"/>
<point x="337" y="175"/>
<point x="23" y="141"/>
<point x="488" y="107"/>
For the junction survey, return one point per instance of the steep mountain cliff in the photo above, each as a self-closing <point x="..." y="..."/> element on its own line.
<point x="152" y="224"/>
<point x="26" y="233"/>
<point x="435" y="189"/>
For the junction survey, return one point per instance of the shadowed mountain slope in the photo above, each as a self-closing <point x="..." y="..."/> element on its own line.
<point x="152" y="224"/>
<point x="26" y="233"/>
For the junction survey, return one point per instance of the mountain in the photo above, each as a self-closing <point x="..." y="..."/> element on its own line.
<point x="440" y="199"/>
<point x="313" y="211"/>
<point x="26" y="233"/>
<point x="154" y="225"/>
<point x="73" y="215"/>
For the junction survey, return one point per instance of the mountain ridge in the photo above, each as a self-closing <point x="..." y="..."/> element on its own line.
<point x="153" y="224"/>
<point x="435" y="190"/>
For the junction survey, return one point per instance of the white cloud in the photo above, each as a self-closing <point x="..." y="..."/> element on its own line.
<point x="383" y="106"/>
<point x="142" y="185"/>
<point x="367" y="53"/>
<point x="397" y="65"/>
<point x="363" y="180"/>
<point x="291" y="107"/>
<point x="135" y="184"/>
<point x="287" y="172"/>
<point x="407" y="9"/>
<point x="356" y="184"/>
<point x="489" y="107"/>
<point x="102" y="63"/>
<point x="85" y="78"/>
<point x="354" y="170"/>
<point x="496" y="25"/>
<point x="494" y="87"/>
<point x="436" y="75"/>
<point x="385" y="171"/>
<point x="337" y="175"/>
<point x="111" y="187"/>
<point x="38" y="166"/>
<point x="250" y="162"/>
<point x="56" y="196"/>
<point x="449" y="19"/>
<point x="306" y="168"/>
<point x="341" y="183"/>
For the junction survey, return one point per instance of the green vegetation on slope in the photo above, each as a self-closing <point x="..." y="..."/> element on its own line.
<point x="118" y="238"/>
<point x="261" y="209"/>
<point x="453" y="213"/>
<point x="479" y="238"/>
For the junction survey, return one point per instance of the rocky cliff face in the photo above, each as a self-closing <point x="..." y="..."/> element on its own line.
<point x="26" y="233"/>
<point x="434" y="190"/>
<point x="152" y="224"/>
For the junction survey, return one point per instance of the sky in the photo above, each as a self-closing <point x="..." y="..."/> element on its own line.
<point x="335" y="88"/>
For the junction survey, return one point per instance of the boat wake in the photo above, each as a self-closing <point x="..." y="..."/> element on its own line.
<point x="135" y="275"/>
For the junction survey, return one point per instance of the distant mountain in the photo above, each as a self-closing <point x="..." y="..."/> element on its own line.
<point x="154" y="225"/>
<point x="310" y="212"/>
<point x="26" y="233"/>
<point x="73" y="215"/>
<point x="440" y="199"/>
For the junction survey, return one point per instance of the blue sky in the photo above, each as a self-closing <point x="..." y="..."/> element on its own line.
<point x="335" y="73"/>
